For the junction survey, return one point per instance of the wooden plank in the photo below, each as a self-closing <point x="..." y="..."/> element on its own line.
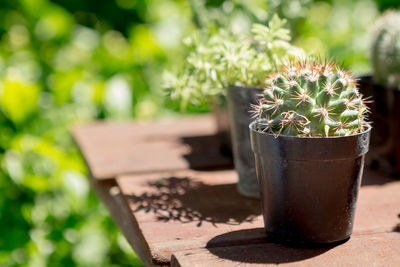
<point x="378" y="206"/>
<point x="382" y="249"/>
<point x="182" y="210"/>
<point x="111" y="148"/>
<point x="110" y="194"/>
<point x="164" y="209"/>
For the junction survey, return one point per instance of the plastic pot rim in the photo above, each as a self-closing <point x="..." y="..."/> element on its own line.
<point x="253" y="123"/>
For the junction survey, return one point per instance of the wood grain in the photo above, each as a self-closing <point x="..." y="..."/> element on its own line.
<point x="164" y="185"/>
<point x="110" y="194"/>
<point x="381" y="249"/>
<point x="184" y="210"/>
<point x="112" y="148"/>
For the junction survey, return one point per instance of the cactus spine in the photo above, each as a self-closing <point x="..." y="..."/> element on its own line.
<point x="385" y="49"/>
<point x="312" y="98"/>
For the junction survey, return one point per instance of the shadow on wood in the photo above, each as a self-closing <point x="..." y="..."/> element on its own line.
<point x="187" y="200"/>
<point x="204" y="150"/>
<point x="269" y="253"/>
<point x="374" y="177"/>
<point x="397" y="227"/>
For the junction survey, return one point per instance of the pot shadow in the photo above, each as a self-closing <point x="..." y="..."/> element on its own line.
<point x="256" y="247"/>
<point x="187" y="200"/>
<point x="397" y="227"/>
<point x="207" y="152"/>
<point x="375" y="177"/>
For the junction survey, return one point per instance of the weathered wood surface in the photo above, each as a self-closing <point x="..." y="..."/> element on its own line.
<point x="110" y="194"/>
<point x="113" y="148"/>
<point x="382" y="249"/>
<point x="184" y="210"/>
<point x="165" y="207"/>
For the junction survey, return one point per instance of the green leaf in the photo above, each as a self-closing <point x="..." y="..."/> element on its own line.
<point x="19" y="100"/>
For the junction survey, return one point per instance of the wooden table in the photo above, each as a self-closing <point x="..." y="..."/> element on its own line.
<point x="173" y="194"/>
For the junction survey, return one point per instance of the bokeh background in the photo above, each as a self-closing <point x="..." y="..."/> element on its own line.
<point x="64" y="62"/>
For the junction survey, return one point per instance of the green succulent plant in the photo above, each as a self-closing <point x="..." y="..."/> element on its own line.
<point x="311" y="98"/>
<point x="385" y="49"/>
<point x="219" y="60"/>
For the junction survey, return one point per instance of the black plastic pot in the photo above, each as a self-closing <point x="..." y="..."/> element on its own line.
<point x="239" y="101"/>
<point x="385" y="115"/>
<point x="309" y="186"/>
<point x="223" y="126"/>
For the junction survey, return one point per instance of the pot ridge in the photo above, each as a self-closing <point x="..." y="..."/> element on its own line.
<point x="309" y="148"/>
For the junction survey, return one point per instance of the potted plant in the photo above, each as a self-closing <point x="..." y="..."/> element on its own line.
<point x="384" y="89"/>
<point x="225" y="67"/>
<point x="309" y="144"/>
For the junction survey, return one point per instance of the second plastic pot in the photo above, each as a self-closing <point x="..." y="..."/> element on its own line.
<point x="385" y="116"/>
<point x="309" y="186"/>
<point x="239" y="101"/>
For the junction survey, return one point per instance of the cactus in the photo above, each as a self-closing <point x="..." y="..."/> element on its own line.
<point x="385" y="49"/>
<point x="312" y="98"/>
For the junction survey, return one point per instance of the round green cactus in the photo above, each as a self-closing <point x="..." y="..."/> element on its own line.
<point x="312" y="98"/>
<point x="385" y="49"/>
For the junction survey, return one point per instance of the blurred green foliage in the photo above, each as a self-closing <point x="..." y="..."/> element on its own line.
<point x="64" y="62"/>
<point x="221" y="59"/>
